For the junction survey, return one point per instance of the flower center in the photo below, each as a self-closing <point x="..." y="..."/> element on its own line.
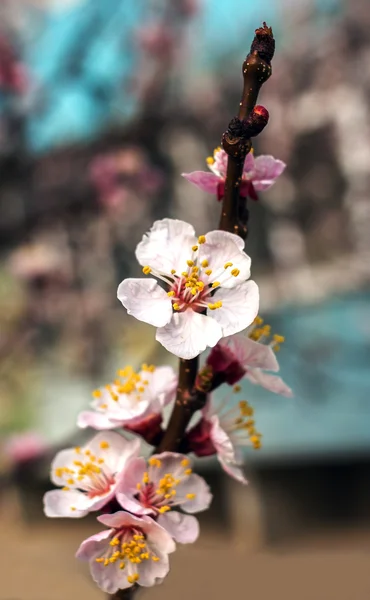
<point x="128" y="383"/>
<point x="195" y="287"/>
<point x="89" y="473"/>
<point x="262" y="333"/>
<point x="238" y="423"/>
<point x="162" y="495"/>
<point x="129" y="548"/>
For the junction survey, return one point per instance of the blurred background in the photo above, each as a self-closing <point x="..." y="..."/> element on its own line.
<point x="103" y="104"/>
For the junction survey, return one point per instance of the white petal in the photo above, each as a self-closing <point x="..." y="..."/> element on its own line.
<point x="220" y="248"/>
<point x="67" y="503"/>
<point x="239" y="307"/>
<point x="162" y="384"/>
<point x="194" y="484"/>
<point x="183" y="528"/>
<point x="117" y="453"/>
<point x="250" y="353"/>
<point x="273" y="383"/>
<point x="145" y="300"/>
<point x="64" y="458"/>
<point x="234" y="471"/>
<point x="189" y="333"/>
<point x="151" y="572"/>
<point x="167" y="246"/>
<point x="94" y="420"/>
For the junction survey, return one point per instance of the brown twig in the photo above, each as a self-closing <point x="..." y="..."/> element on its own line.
<point x="236" y="140"/>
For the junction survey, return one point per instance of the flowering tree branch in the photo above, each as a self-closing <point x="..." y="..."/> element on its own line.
<point x="237" y="143"/>
<point x="249" y="123"/>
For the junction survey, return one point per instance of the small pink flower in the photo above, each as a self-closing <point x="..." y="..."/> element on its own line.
<point x="259" y="174"/>
<point x="133" y="400"/>
<point x="133" y="551"/>
<point x="225" y="432"/>
<point x="89" y="475"/>
<point x="240" y="356"/>
<point x="25" y="446"/>
<point x="165" y="482"/>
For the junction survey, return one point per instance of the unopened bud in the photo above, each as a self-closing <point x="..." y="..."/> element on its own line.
<point x="264" y="43"/>
<point x="256" y="121"/>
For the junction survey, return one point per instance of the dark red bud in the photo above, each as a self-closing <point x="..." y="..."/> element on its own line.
<point x="256" y="121"/>
<point x="264" y="43"/>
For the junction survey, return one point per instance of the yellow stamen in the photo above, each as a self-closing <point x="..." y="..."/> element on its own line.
<point x="146" y="270"/>
<point x="190" y="496"/>
<point x="228" y="264"/>
<point x="215" y="284"/>
<point x="104" y="445"/>
<point x="202" y="239"/>
<point x="194" y="248"/>
<point x="171" y="293"/>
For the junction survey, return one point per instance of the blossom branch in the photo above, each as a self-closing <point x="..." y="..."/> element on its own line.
<point x="249" y="122"/>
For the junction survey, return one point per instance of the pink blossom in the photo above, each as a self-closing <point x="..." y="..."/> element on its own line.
<point x="133" y="551"/>
<point x="89" y="475"/>
<point x="134" y="401"/>
<point x="239" y="356"/>
<point x="163" y="483"/>
<point x="225" y="431"/>
<point x="13" y="74"/>
<point x="22" y="447"/>
<point x="259" y="174"/>
<point x="205" y="295"/>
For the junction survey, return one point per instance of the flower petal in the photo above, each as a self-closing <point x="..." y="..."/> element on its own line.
<point x="189" y="333"/>
<point x="127" y="487"/>
<point x="249" y="164"/>
<point x="146" y="301"/>
<point x="273" y="383"/>
<point x="162" y="384"/>
<point x="250" y="353"/>
<point x="207" y="182"/>
<point x="115" y="449"/>
<point x="194" y="484"/>
<point x="65" y="503"/>
<point x="220" y="248"/>
<point x="267" y="170"/>
<point x="91" y="547"/>
<point x="239" y="307"/>
<point x="151" y="572"/>
<point x="183" y="528"/>
<point x="234" y="471"/>
<point x="221" y="441"/>
<point x="95" y="420"/>
<point x="167" y="246"/>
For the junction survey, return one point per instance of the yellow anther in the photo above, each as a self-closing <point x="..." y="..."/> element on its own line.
<point x="190" y="263"/>
<point x="237" y="388"/>
<point x="104" y="445"/>
<point x="70" y="481"/>
<point x="138" y="486"/>
<point x="176" y="306"/>
<point x="210" y="160"/>
<point x="146" y="270"/>
<point x="194" y="248"/>
<point x="99" y="560"/>
<point x="208" y="272"/>
<point x="194" y="291"/>
<point x="122" y="565"/>
<point x="106" y="562"/>
<point x="188" y="471"/>
<point x="205" y="263"/>
<point x="195" y="271"/>
<point x="73" y="508"/>
<point x="145" y="477"/>
<point x="190" y="496"/>
<point x="133" y="578"/>
<point x="155" y="558"/>
<point x="215" y="284"/>
<point x="227" y="265"/>
<point x="171" y="293"/>
<point x="96" y="393"/>
<point x="202" y="239"/>
<point x="185" y="462"/>
<point x="65" y="489"/>
<point x="59" y="472"/>
<point x="279" y="339"/>
<point x="100" y="461"/>
<point x="155" y="462"/>
<point x="173" y="271"/>
<point x="164" y="509"/>
<point x="114" y="542"/>
<point x="258" y="321"/>
<point x="235" y="272"/>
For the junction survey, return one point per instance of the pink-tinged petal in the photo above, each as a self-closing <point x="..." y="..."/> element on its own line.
<point x="239" y="307"/>
<point x="145" y="300"/>
<point x="220" y="165"/>
<point x="248" y="164"/>
<point x="65" y="503"/>
<point x="115" y="449"/>
<point x="194" y="484"/>
<point x="220" y="248"/>
<point x="92" y="546"/>
<point x="120" y="519"/>
<point x="151" y="572"/>
<point x="109" y="579"/>
<point x="64" y="458"/>
<point x="189" y="333"/>
<point x="250" y="353"/>
<point x="160" y="539"/>
<point x="94" y="420"/>
<point x="207" y="182"/>
<point x="273" y="383"/>
<point x="167" y="246"/>
<point x="162" y="384"/>
<point x="183" y="528"/>
<point x="234" y="471"/>
<point x="221" y="441"/>
<point x="127" y="487"/>
<point x="267" y="170"/>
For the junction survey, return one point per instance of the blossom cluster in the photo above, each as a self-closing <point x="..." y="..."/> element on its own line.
<point x="197" y="293"/>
